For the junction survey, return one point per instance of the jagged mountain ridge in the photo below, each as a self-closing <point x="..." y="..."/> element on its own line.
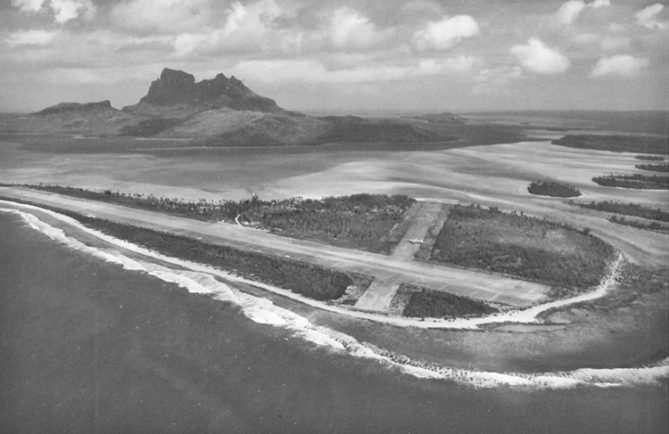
<point x="218" y="112"/>
<point x="179" y="89"/>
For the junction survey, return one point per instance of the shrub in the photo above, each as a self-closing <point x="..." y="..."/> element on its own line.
<point x="638" y="181"/>
<point x="435" y="304"/>
<point x="554" y="189"/>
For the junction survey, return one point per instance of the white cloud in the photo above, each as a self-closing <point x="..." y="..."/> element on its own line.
<point x="30" y="38"/>
<point x="28" y="5"/>
<point x="647" y="17"/>
<point x="349" y="29"/>
<point x="539" y="58"/>
<point x="246" y="28"/>
<point x="63" y="10"/>
<point x="169" y="16"/>
<point x="459" y="64"/>
<point x="311" y="71"/>
<point x="442" y="34"/>
<point x="621" y="65"/>
<point x="600" y="4"/>
<point x="569" y="11"/>
<point x="66" y="10"/>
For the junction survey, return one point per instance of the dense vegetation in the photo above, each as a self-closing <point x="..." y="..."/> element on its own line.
<point x="654" y="167"/>
<point x="363" y="221"/>
<point x="521" y="246"/>
<point x="306" y="279"/>
<point x="554" y="189"/>
<point x="650" y="182"/>
<point x="649" y="157"/>
<point x="651" y="226"/>
<point x="631" y="209"/>
<point x="434" y="304"/>
<point x="640" y="144"/>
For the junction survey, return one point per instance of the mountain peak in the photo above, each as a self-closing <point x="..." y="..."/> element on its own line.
<point x="179" y="88"/>
<point x="175" y="77"/>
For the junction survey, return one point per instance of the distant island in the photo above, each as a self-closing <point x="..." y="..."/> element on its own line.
<point x="223" y="111"/>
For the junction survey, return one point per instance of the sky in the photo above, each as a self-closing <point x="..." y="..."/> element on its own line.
<point x="344" y="56"/>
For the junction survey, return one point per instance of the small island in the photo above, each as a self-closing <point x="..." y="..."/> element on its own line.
<point x="553" y="189"/>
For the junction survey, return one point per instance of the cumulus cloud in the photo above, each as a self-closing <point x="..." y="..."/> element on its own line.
<point x="458" y="64"/>
<point x="349" y="29"/>
<point x="30" y="38"/>
<point x="443" y="34"/>
<point x="28" y="5"/>
<point x="312" y="71"/>
<point x="569" y="11"/>
<point x="63" y="10"/>
<point x="539" y="58"/>
<point x="600" y="4"/>
<point x="66" y="10"/>
<point x="161" y="15"/>
<point x="246" y="28"/>
<point x="647" y="17"/>
<point x="621" y="65"/>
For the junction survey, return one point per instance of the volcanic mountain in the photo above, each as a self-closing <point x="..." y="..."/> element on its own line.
<point x="176" y="93"/>
<point x="220" y="112"/>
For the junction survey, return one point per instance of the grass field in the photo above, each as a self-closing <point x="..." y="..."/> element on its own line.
<point x="521" y="246"/>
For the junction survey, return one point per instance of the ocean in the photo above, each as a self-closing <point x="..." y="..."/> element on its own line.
<point x="88" y="346"/>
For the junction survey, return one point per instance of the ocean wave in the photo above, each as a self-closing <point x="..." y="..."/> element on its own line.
<point x="523" y="316"/>
<point x="201" y="279"/>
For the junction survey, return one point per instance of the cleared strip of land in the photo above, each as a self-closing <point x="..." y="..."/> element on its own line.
<point x="469" y="283"/>
<point x="426" y="213"/>
<point x="380" y="293"/>
<point x="378" y="296"/>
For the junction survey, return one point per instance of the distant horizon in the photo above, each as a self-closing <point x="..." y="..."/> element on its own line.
<point x="363" y="112"/>
<point x="343" y="55"/>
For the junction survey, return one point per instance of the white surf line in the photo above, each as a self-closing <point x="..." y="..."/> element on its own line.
<point x="523" y="316"/>
<point x="263" y="311"/>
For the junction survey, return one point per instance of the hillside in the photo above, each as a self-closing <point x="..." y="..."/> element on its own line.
<point x="96" y="118"/>
<point x="222" y="111"/>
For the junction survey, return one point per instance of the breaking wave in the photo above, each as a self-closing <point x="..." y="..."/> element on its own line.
<point x="201" y="279"/>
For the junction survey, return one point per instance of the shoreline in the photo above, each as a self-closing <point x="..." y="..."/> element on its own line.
<point x="528" y="315"/>
<point x="263" y="311"/>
